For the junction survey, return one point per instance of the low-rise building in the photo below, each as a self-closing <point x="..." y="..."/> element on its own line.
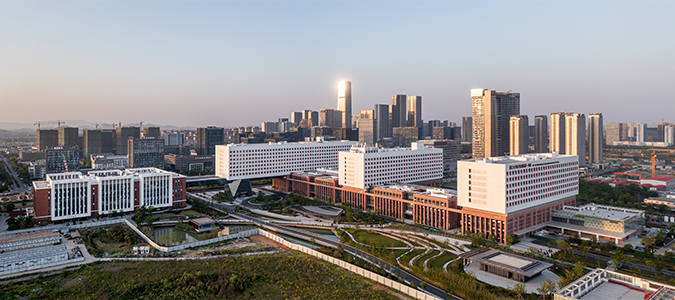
<point x="605" y="284"/>
<point x="175" y="162"/>
<point x="107" y="161"/>
<point x="668" y="182"/>
<point x="601" y="222"/>
<point x="67" y="196"/>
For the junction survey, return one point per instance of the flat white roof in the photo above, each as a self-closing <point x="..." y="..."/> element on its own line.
<point x="613" y="291"/>
<point x="530" y="157"/>
<point x="510" y="261"/>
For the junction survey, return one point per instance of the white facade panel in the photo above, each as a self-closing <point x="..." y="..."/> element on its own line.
<point x="365" y="167"/>
<point x="510" y="184"/>
<point x="251" y="161"/>
<point x="70" y="199"/>
<point x="115" y="194"/>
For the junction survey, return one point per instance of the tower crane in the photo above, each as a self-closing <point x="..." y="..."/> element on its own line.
<point x="654" y="152"/>
<point x="38" y="124"/>
<point x="95" y="124"/>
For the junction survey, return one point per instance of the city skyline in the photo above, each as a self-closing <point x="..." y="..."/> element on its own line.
<point x="157" y="68"/>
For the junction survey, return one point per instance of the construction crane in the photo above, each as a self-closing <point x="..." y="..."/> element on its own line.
<point x="95" y="124"/>
<point x="654" y="152"/>
<point x="38" y="124"/>
<point x="59" y="123"/>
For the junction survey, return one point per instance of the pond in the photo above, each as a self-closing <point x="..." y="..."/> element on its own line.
<point x="171" y="236"/>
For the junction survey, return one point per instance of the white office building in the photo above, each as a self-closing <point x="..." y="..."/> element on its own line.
<point x="251" y="161"/>
<point x="66" y="196"/>
<point x="511" y="184"/>
<point x="362" y="167"/>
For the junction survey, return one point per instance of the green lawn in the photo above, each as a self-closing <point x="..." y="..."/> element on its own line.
<point x="399" y="252"/>
<point x="404" y="260"/>
<point x="420" y="261"/>
<point x="374" y="239"/>
<point x="291" y="275"/>
<point x="438" y="262"/>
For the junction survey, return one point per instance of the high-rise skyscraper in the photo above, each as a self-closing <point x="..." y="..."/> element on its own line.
<point x="467" y="125"/>
<point x="557" y="132"/>
<point x="47" y="138"/>
<point x="615" y="132"/>
<point x="669" y="134"/>
<point x="541" y="134"/>
<point x="398" y="111"/>
<point x="69" y="137"/>
<point x="366" y="125"/>
<point x="382" y="126"/>
<point x="330" y="118"/>
<point x="595" y="142"/>
<point x="415" y="111"/>
<point x="296" y="117"/>
<point x="92" y="142"/>
<point x="153" y="132"/>
<point x="575" y="136"/>
<point x="122" y="135"/>
<point x="491" y="112"/>
<point x="174" y="139"/>
<point x="208" y="138"/>
<point x="146" y="153"/>
<point x="345" y="102"/>
<point x="519" y="134"/>
<point x="640" y="132"/>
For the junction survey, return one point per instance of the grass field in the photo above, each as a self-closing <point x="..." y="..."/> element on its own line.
<point x="420" y="261"/>
<point x="279" y="276"/>
<point x="399" y="252"/>
<point x="407" y="257"/>
<point x="374" y="239"/>
<point x="441" y="260"/>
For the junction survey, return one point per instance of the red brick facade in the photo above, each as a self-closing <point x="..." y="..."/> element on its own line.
<point x="502" y="225"/>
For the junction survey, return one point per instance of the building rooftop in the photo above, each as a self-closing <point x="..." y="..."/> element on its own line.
<point x="514" y="263"/>
<point x="318" y="141"/>
<point x="203" y="221"/>
<point x="600" y="211"/>
<point x="421" y="190"/>
<point x="601" y="284"/>
<point x="660" y="178"/>
<point x="519" y="158"/>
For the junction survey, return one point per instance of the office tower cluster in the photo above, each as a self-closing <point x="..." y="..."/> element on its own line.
<point x="498" y="129"/>
<point x="640" y="134"/>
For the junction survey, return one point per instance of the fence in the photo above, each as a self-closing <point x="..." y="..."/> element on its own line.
<point x="190" y="245"/>
<point x="360" y="271"/>
<point x="182" y="258"/>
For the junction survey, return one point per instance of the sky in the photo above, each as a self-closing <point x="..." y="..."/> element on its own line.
<point x="234" y="63"/>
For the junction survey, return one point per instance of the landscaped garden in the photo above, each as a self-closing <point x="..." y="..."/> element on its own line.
<point x="291" y="275"/>
<point x="116" y="240"/>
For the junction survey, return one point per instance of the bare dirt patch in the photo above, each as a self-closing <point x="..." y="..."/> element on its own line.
<point x="376" y="287"/>
<point x="259" y="239"/>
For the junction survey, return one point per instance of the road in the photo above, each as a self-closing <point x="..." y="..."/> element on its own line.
<point x="366" y="256"/>
<point x="17" y="185"/>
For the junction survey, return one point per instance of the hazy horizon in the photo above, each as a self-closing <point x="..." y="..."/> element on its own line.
<point x="230" y="63"/>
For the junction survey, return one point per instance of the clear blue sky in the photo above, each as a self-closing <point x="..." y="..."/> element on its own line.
<point x="230" y="63"/>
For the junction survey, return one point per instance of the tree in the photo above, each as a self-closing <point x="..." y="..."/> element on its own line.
<point x="619" y="258"/>
<point x="519" y="289"/>
<point x="8" y="206"/>
<point x="546" y="288"/>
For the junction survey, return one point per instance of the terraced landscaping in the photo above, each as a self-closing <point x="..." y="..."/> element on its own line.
<point x="405" y="259"/>
<point x="440" y="261"/>
<point x="375" y="239"/>
<point x="419" y="262"/>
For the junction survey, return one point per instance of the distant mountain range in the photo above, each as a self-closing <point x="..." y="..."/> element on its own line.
<point x="29" y="127"/>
